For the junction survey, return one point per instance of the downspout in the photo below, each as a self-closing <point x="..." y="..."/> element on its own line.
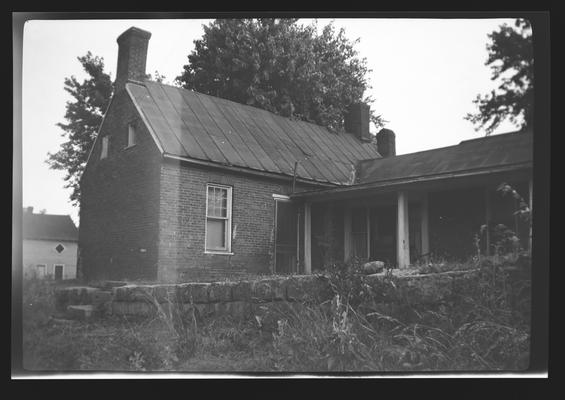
<point x="294" y="176"/>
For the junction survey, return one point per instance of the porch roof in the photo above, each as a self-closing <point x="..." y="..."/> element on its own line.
<point x="471" y="158"/>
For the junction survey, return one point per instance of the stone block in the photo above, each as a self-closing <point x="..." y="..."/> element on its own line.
<point x="239" y="309"/>
<point x="307" y="288"/>
<point x="204" y="309"/>
<point x="267" y="290"/>
<point x="61" y="299"/>
<point x="220" y="309"/>
<point x="127" y="293"/>
<point x="193" y="292"/>
<point x="163" y="293"/>
<point x="373" y="267"/>
<point x="80" y="312"/>
<point x="242" y="291"/>
<point x="220" y="292"/>
<point x="429" y="288"/>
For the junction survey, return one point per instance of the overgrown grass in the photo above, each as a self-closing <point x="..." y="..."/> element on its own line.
<point x="484" y="326"/>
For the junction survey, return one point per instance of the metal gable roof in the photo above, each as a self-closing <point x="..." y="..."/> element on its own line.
<point x="197" y="126"/>
<point x="48" y="227"/>
<point x="469" y="155"/>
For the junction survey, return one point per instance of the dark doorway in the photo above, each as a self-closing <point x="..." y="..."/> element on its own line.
<point x="286" y="222"/>
<point x="383" y="233"/>
<point x="58" y="272"/>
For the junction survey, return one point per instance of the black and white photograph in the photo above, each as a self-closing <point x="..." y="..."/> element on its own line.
<point x="304" y="196"/>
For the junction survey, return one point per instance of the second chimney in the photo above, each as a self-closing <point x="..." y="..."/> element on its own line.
<point x="132" y="56"/>
<point x="386" y="143"/>
<point x="356" y="121"/>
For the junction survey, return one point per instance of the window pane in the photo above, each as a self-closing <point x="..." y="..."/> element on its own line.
<point x="104" y="151"/>
<point x="131" y="135"/>
<point x="217" y="202"/>
<point x="41" y="271"/>
<point x="216" y="235"/>
<point x="210" y="200"/>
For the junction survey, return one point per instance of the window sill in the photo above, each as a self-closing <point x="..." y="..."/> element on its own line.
<point x="219" y="252"/>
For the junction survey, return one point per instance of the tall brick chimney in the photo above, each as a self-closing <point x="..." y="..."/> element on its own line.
<point x="356" y="121"/>
<point x="132" y="56"/>
<point x="386" y="143"/>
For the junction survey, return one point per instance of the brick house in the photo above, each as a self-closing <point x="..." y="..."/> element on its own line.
<point x="184" y="186"/>
<point x="49" y="246"/>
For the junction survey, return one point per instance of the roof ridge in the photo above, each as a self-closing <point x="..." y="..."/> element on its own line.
<point x="444" y="147"/>
<point x="409" y="154"/>
<point x="49" y="215"/>
<point x="488" y="137"/>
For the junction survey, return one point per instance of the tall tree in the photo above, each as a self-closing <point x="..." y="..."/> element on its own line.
<point x="281" y="66"/>
<point x="83" y="117"/>
<point x="511" y="58"/>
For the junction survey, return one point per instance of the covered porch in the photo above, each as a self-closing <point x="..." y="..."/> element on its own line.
<point x="406" y="224"/>
<point x="404" y="209"/>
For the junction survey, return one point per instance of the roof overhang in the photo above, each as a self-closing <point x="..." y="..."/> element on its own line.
<point x="436" y="182"/>
<point x="243" y="170"/>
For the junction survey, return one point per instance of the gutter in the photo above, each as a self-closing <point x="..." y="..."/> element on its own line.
<point x="405" y="181"/>
<point x="247" y="170"/>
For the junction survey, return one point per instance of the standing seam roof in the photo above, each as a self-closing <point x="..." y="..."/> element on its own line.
<point x="203" y="127"/>
<point x="492" y="151"/>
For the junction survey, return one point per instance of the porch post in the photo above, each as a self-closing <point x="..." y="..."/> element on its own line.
<point x="402" y="241"/>
<point x="368" y="212"/>
<point x="531" y="205"/>
<point x="347" y="234"/>
<point x="425" y="231"/>
<point x="487" y="217"/>
<point x="307" y="238"/>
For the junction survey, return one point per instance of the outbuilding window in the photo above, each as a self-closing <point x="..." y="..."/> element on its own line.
<point x="131" y="135"/>
<point x="218" y="218"/>
<point x="104" y="151"/>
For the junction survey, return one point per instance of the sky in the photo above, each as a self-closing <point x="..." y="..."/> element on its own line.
<point x="425" y="75"/>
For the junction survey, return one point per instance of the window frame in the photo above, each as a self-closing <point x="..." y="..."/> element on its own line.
<point x="37" y="269"/>
<point x="105" y="147"/>
<point x="228" y="218"/>
<point x="131" y="129"/>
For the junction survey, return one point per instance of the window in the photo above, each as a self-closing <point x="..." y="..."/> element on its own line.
<point x="40" y="270"/>
<point x="60" y="248"/>
<point x="218" y="218"/>
<point x="104" y="151"/>
<point x="131" y="135"/>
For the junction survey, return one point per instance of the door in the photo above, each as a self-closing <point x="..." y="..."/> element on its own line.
<point x="58" y="272"/>
<point x="286" y="238"/>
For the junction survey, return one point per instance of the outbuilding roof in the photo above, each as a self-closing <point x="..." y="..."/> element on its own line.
<point x="196" y="126"/>
<point x="48" y="227"/>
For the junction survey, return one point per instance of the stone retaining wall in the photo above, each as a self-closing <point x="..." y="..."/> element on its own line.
<point x="241" y="299"/>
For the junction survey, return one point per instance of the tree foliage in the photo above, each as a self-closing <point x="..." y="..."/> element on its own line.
<point x="511" y="58"/>
<point x="83" y="117"/>
<point x="84" y="114"/>
<point x="281" y="66"/>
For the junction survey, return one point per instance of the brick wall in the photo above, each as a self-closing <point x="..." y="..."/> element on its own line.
<point x="120" y="201"/>
<point x="182" y="224"/>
